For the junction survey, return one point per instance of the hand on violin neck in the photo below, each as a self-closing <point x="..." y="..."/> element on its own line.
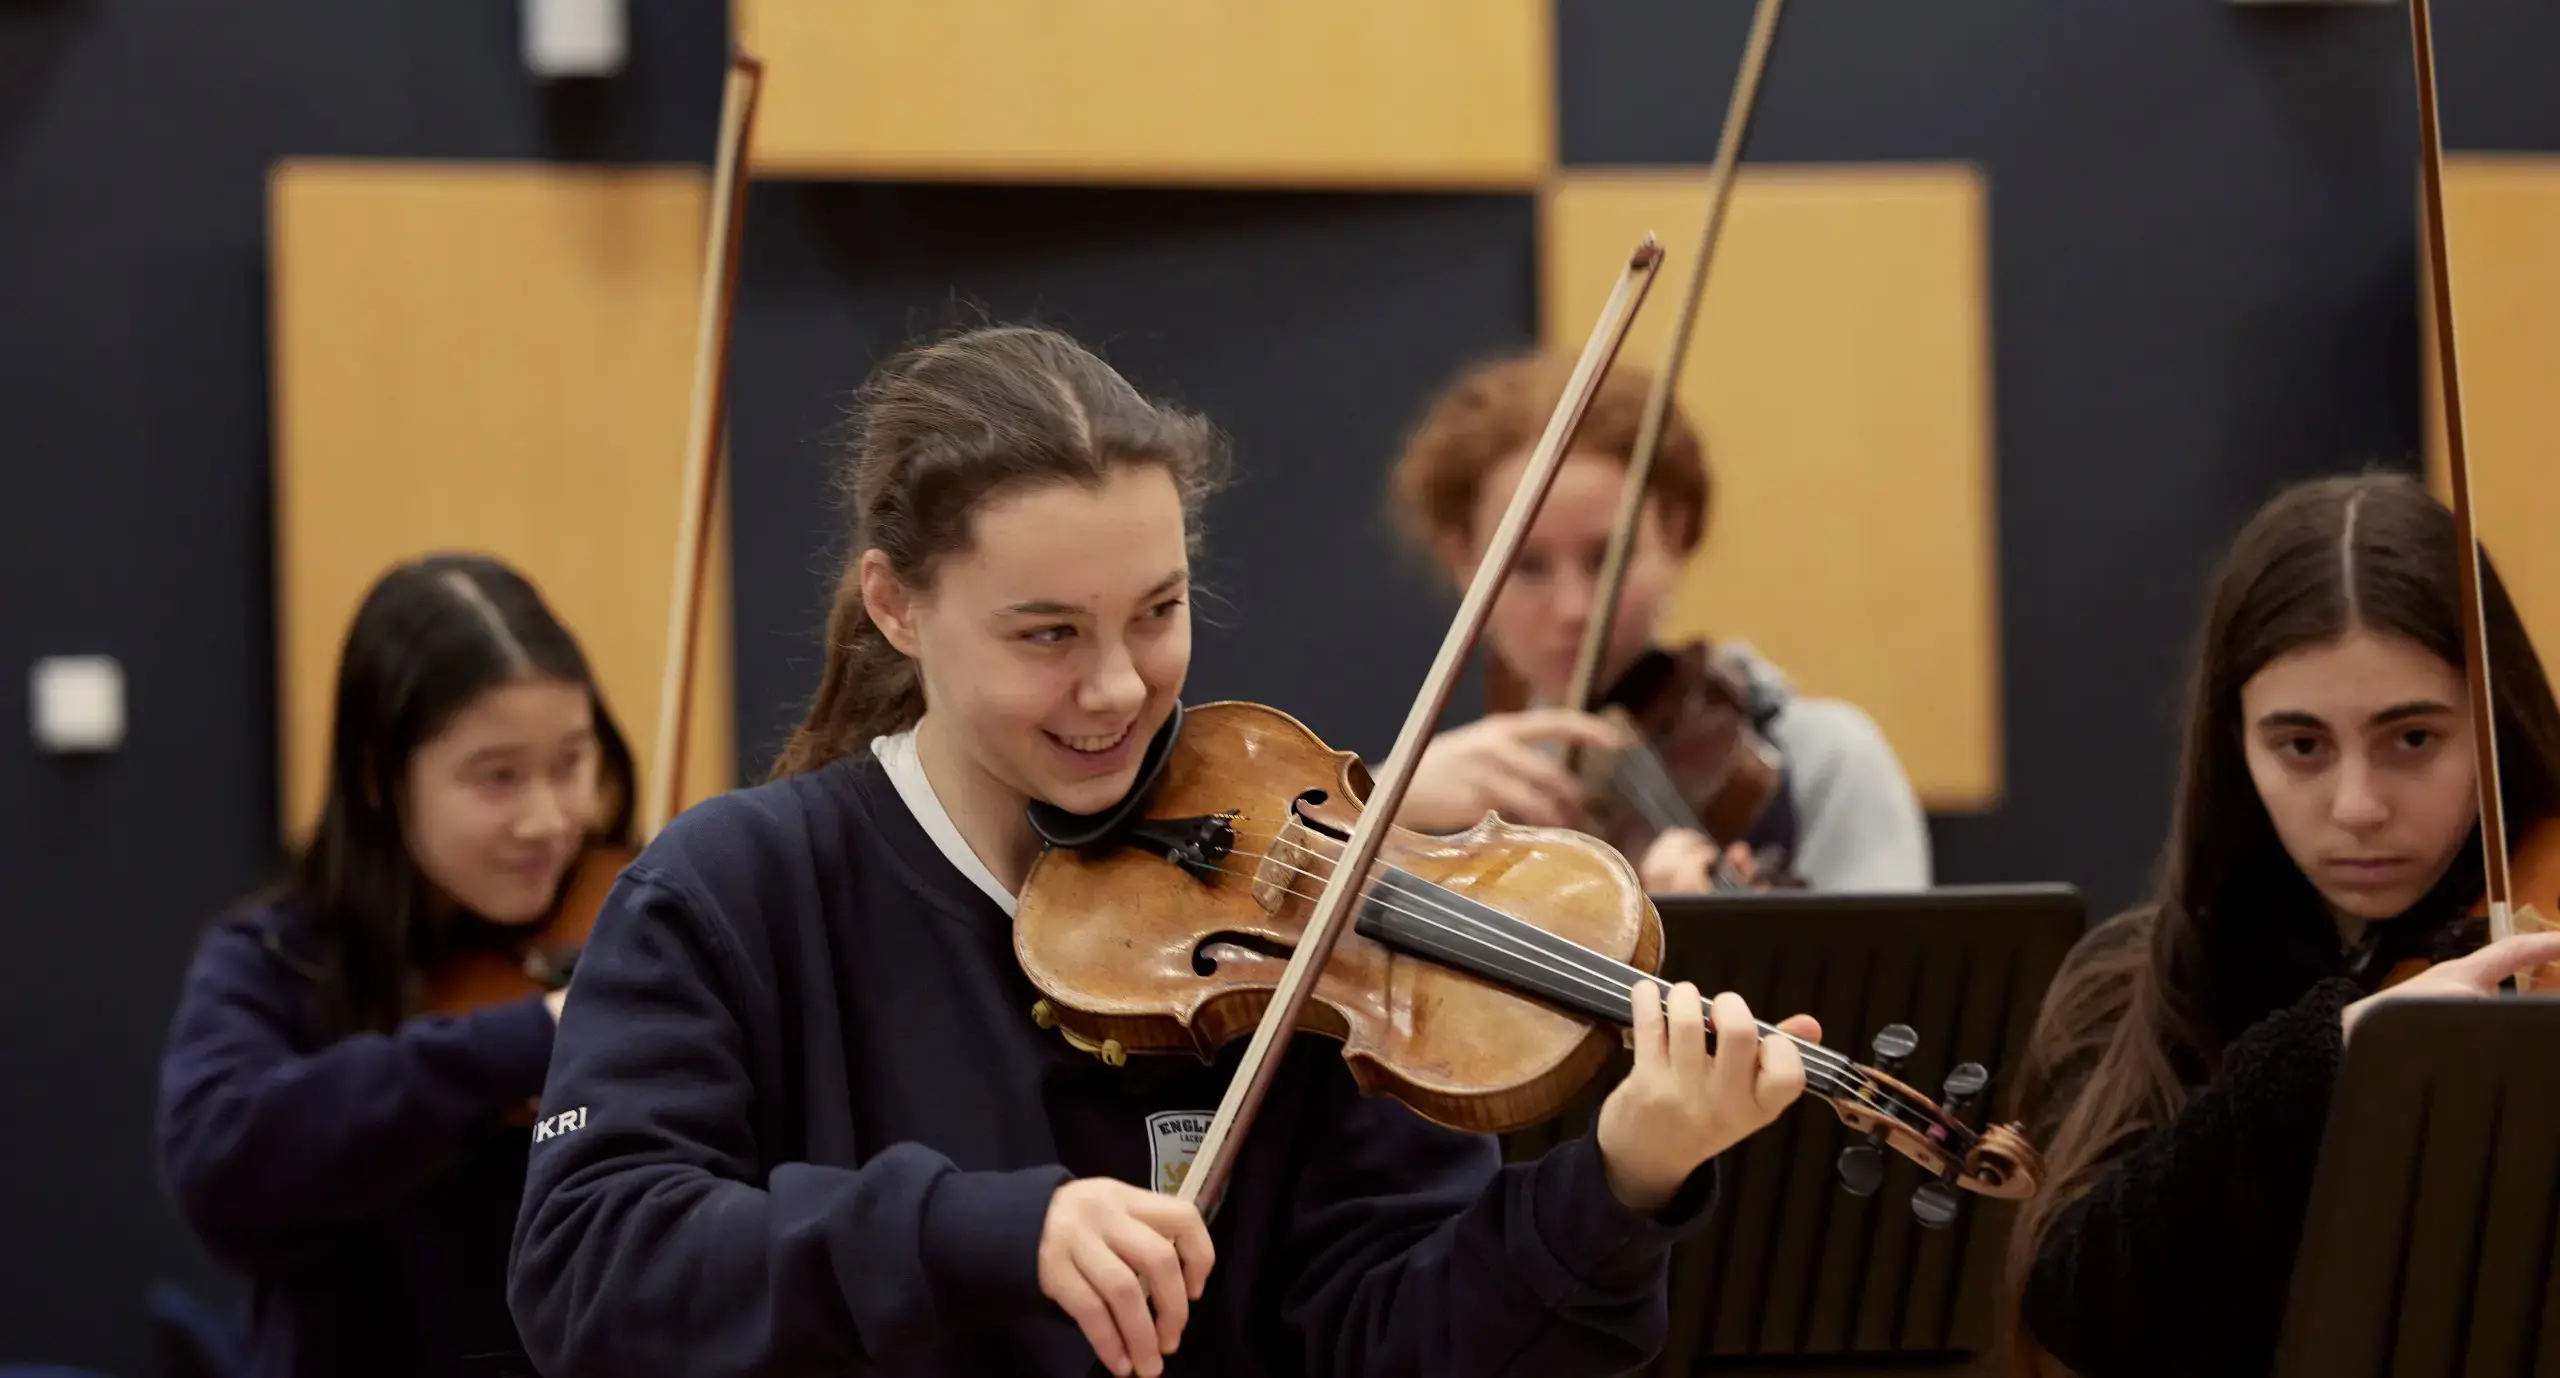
<point x="1682" y="861"/>
<point x="2476" y="975"/>
<point x="1682" y="1105"/>
<point x="1108" y="1252"/>
<point x="1503" y="764"/>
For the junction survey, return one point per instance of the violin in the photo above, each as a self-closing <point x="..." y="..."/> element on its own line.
<point x="2536" y="856"/>
<point x="539" y="958"/>
<point x="1488" y="976"/>
<point x="1699" y="758"/>
<point x="1252" y="884"/>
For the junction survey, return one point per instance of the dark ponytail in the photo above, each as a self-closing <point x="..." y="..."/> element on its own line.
<point x="945" y="428"/>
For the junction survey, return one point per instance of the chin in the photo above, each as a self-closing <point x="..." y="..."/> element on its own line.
<point x="513" y="905"/>
<point x="1091" y="793"/>
<point x="2372" y="906"/>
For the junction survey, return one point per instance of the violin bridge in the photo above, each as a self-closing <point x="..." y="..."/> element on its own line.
<point x="1290" y="869"/>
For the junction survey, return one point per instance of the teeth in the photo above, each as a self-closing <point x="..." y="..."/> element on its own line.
<point x="1093" y="743"/>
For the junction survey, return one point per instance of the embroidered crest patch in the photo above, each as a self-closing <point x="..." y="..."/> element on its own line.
<point x="1173" y="1140"/>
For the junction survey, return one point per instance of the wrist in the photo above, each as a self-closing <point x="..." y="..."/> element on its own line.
<point x="1640" y="1191"/>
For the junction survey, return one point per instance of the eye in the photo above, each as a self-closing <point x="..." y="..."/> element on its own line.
<point x="2300" y="746"/>
<point x="1052" y="635"/>
<point x="1164" y="609"/>
<point x="2418" y="738"/>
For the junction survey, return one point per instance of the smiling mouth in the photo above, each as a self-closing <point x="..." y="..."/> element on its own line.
<point x="1093" y="745"/>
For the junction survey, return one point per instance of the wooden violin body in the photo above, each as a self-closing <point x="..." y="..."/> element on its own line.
<point x="537" y="959"/>
<point x="2534" y="868"/>
<point x="1486" y="978"/>
<point x="1707" y="754"/>
<point x="1136" y="954"/>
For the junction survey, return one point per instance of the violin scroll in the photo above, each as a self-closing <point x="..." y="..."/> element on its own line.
<point x="1997" y="1161"/>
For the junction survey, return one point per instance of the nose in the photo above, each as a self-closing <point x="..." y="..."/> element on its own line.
<point x="546" y="813"/>
<point x="1575" y="591"/>
<point x="2358" y="804"/>
<point x="1115" y="687"/>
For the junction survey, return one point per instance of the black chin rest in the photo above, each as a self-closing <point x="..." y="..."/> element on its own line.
<point x="1059" y="828"/>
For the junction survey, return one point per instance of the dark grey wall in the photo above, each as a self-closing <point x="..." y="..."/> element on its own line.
<point x="1310" y="327"/>
<point x="2202" y="250"/>
<point x="135" y="139"/>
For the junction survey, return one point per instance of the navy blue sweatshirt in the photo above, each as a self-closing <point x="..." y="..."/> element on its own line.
<point x="366" y="1187"/>
<point x="800" y="1120"/>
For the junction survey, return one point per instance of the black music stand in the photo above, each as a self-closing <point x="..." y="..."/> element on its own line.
<point x="1795" y="1274"/>
<point x="2428" y="1245"/>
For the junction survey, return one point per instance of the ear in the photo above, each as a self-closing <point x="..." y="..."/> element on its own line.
<point x="890" y="602"/>
<point x="1457" y="555"/>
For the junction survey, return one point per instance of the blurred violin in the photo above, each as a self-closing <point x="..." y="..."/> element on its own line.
<point x="537" y="958"/>
<point x="2534" y="862"/>
<point x="1251" y="884"/>
<point x="1699" y="757"/>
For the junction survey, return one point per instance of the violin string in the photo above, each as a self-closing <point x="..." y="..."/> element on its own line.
<point x="1646" y="783"/>
<point x="1839" y="1071"/>
<point x="1596" y="978"/>
<point x="1723" y="877"/>
<point x="1587" y="977"/>
<point x="1825" y="1070"/>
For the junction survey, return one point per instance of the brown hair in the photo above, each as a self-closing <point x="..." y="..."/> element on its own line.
<point x="1500" y="408"/>
<point x="2140" y="1011"/>
<point x="943" y="429"/>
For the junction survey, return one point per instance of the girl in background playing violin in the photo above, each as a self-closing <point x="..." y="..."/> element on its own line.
<point x="347" y="1153"/>
<point x="817" y="1127"/>
<point x="1846" y="819"/>
<point x="2326" y="831"/>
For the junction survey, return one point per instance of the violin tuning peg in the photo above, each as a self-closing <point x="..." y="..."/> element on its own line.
<point x="1893" y="1045"/>
<point x="1861" y="1169"/>
<point x="1934" y="1204"/>
<point x="1963" y="1084"/>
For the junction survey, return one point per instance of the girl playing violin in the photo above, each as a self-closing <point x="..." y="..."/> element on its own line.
<point x="2326" y="831"/>
<point x="347" y="1152"/>
<point x="809" y="1121"/>
<point x="1846" y="817"/>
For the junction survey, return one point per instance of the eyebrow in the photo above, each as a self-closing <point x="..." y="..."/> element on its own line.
<point x="2398" y="712"/>
<point x="1042" y="607"/>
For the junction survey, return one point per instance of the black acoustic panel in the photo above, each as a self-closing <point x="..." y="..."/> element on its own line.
<point x="2201" y="254"/>
<point x="2493" y="73"/>
<point x="136" y="139"/>
<point x="1312" y="328"/>
<point x="1648" y="81"/>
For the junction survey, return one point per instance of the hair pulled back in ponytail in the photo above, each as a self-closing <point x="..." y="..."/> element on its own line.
<point x="943" y="429"/>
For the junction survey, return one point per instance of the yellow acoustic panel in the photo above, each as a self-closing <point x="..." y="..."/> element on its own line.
<point x="1404" y="93"/>
<point x="1840" y="372"/>
<point x="496" y="357"/>
<point x="2502" y="219"/>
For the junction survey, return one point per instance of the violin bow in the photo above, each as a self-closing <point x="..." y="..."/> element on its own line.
<point x="1202" y="1185"/>
<point x="706" y="440"/>
<point x="1657" y="402"/>
<point x="2475" y="630"/>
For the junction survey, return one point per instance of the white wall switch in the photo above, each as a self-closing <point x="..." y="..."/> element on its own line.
<point x="575" y="38"/>
<point x="78" y="703"/>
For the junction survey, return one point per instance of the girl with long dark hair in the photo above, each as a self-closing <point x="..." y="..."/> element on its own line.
<point x="350" y="1154"/>
<point x="814" y="1123"/>
<point x="2326" y="831"/>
